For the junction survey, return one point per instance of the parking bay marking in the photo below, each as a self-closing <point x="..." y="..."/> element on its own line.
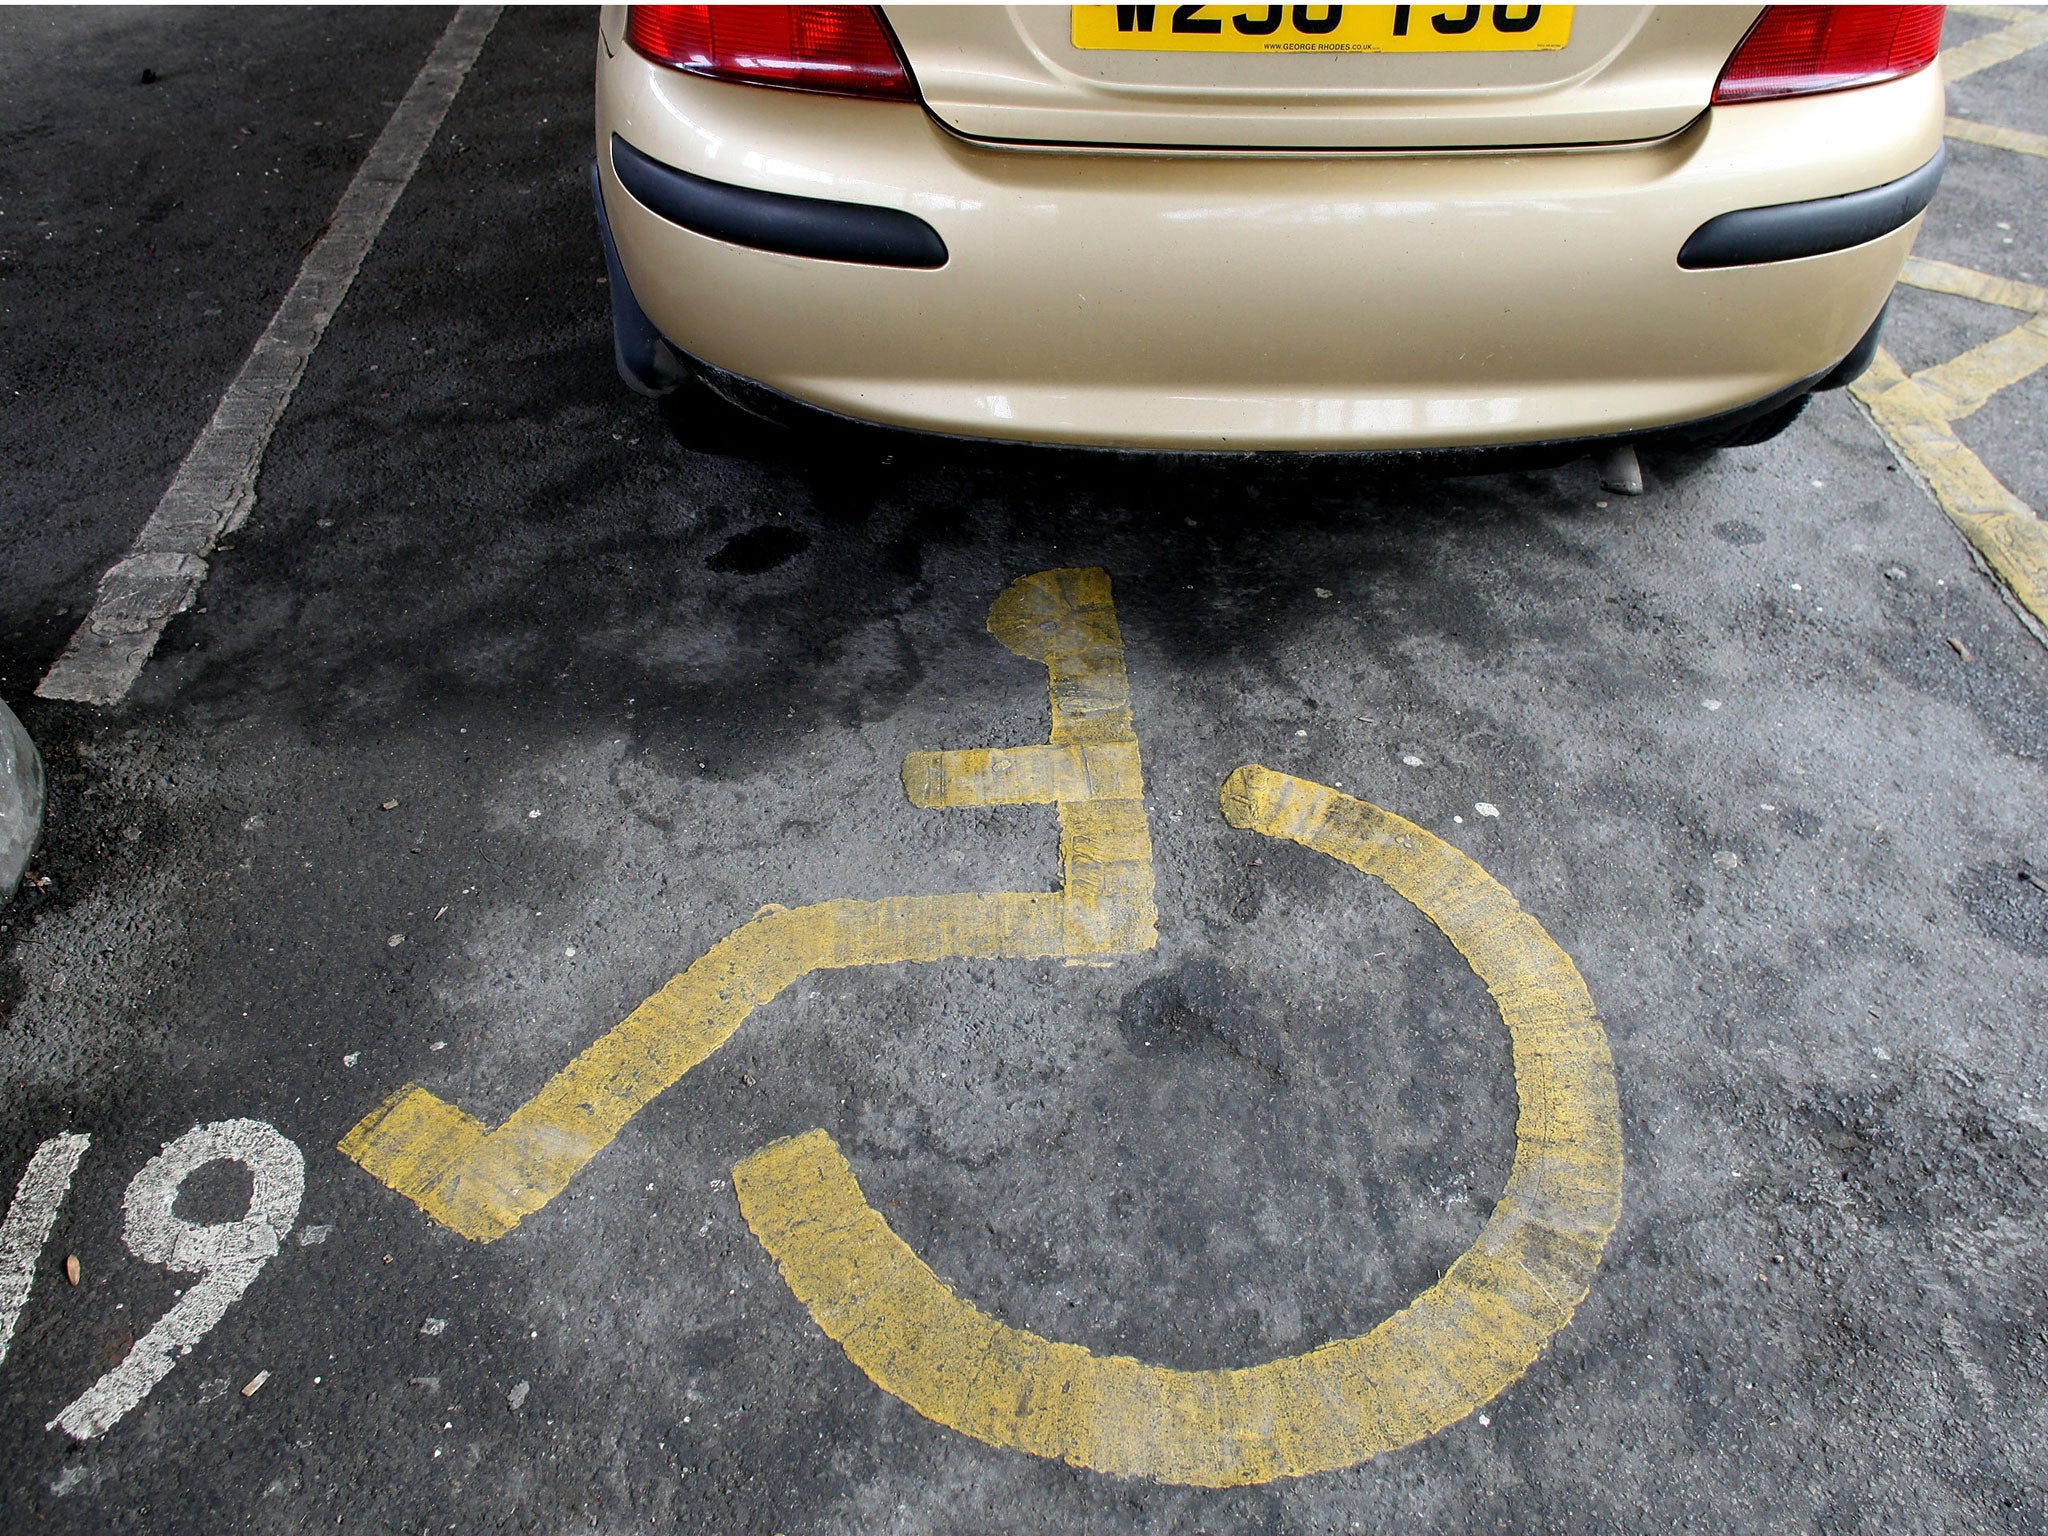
<point x="481" y="1182"/>
<point x="1917" y="413"/>
<point x="2017" y="140"/>
<point x="214" y="489"/>
<point x="2026" y="29"/>
<point x="1452" y="1349"/>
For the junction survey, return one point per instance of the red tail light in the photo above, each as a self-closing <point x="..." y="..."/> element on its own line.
<point x="842" y="50"/>
<point x="1799" y="50"/>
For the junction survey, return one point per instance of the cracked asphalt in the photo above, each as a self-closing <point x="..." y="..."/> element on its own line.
<point x="518" y="692"/>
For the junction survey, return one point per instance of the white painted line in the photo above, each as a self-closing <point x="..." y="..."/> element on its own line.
<point x="44" y="1184"/>
<point x="215" y="487"/>
<point x="228" y="1255"/>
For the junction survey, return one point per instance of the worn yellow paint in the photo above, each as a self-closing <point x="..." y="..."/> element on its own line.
<point x="482" y="1181"/>
<point x="1998" y="525"/>
<point x="1452" y="1349"/>
<point x="1449" y="1351"/>
<point x="1884" y="371"/>
<point x="1916" y="413"/>
<point x="1966" y="283"/>
<point x="2017" y="140"/>
<point x="1960" y="386"/>
<point x="2028" y="31"/>
<point x="1041" y="775"/>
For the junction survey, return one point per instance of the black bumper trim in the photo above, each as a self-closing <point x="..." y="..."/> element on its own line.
<point x="777" y="221"/>
<point x="645" y="360"/>
<point x="1787" y="231"/>
<point x="1852" y="367"/>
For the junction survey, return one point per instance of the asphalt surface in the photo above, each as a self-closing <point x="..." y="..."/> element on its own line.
<point x="1768" y="756"/>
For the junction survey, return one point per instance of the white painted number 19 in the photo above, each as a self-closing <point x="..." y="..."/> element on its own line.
<point x="226" y="1255"/>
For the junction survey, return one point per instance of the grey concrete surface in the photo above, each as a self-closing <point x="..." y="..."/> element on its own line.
<point x="1769" y="756"/>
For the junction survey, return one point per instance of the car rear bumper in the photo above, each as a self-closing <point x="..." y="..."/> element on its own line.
<point x="1210" y="300"/>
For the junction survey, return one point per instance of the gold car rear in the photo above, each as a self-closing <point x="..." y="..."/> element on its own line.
<point x="1260" y="227"/>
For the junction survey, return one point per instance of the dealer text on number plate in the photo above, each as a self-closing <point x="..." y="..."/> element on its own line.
<point x="1323" y="28"/>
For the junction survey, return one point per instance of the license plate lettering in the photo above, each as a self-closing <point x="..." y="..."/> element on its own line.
<point x="1322" y="28"/>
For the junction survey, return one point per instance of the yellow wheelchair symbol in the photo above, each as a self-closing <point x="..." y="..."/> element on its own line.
<point x="1448" y="1352"/>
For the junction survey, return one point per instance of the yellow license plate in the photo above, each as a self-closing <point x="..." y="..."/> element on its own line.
<point x="1323" y="28"/>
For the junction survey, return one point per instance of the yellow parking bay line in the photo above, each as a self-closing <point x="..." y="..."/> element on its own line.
<point x="2014" y="139"/>
<point x="1962" y="385"/>
<point x="1966" y="283"/>
<point x="1918" y="413"/>
<point x="1883" y="372"/>
<point x="1448" y="1352"/>
<point x="2008" y="42"/>
<point x="1999" y="526"/>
